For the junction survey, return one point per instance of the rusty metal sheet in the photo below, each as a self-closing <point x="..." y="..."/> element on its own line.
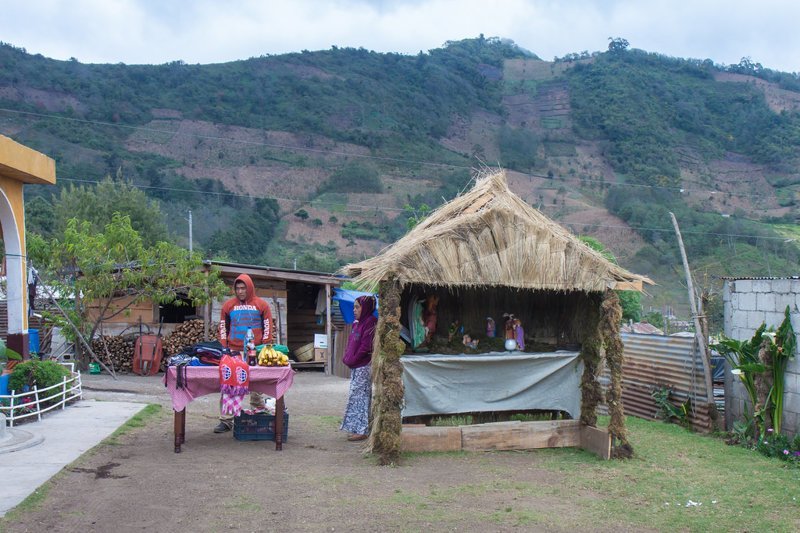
<point x="654" y="361"/>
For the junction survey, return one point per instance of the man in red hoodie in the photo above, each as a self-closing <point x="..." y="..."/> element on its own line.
<point x="242" y="312"/>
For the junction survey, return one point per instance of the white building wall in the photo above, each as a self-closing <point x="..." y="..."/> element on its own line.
<point x="748" y="303"/>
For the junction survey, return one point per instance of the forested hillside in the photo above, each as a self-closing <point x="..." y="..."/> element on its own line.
<point x="318" y="158"/>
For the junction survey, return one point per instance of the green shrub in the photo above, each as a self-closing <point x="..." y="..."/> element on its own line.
<point x="43" y="374"/>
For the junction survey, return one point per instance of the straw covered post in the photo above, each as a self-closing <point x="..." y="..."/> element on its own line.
<point x="592" y="357"/>
<point x="385" y="438"/>
<point x="610" y="318"/>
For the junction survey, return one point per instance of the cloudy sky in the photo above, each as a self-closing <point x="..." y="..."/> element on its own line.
<point x="212" y="31"/>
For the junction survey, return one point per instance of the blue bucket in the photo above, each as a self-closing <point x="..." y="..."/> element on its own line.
<point x="33" y="340"/>
<point x="4" y="384"/>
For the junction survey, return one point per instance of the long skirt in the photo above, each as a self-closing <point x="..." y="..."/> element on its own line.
<point x="356" y="414"/>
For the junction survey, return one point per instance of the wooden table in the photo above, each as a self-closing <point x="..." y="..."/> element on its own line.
<point x="201" y="380"/>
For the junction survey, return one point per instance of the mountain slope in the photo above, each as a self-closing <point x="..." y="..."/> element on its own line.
<point x="349" y="143"/>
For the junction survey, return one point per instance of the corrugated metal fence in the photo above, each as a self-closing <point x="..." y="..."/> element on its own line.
<point x="654" y="361"/>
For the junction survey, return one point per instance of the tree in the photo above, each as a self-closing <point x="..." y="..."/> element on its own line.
<point x="617" y="45"/>
<point x="115" y="269"/>
<point x="97" y="205"/>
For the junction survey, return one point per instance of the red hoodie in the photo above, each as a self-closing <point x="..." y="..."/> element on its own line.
<point x="239" y="316"/>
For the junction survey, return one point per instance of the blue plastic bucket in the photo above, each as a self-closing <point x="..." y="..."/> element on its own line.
<point x="33" y="340"/>
<point x="4" y="384"/>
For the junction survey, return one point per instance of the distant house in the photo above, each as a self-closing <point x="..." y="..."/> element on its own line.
<point x="300" y="302"/>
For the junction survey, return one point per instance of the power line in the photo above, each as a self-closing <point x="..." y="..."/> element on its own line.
<point x="377" y="208"/>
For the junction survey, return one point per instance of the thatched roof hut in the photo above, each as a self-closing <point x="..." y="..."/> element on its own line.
<point x="489" y="237"/>
<point x="483" y="252"/>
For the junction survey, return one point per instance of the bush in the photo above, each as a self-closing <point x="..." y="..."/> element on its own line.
<point x="43" y="374"/>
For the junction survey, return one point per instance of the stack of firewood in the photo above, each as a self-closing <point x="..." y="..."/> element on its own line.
<point x="187" y="334"/>
<point x="116" y="352"/>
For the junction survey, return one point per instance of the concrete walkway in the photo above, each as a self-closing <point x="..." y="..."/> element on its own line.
<point x="62" y="437"/>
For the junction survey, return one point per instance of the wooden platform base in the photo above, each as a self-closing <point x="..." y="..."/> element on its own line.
<point x="507" y="436"/>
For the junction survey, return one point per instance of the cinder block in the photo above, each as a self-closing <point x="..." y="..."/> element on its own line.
<point x="734" y="300"/>
<point x="790" y="423"/>
<point x="739" y="321"/>
<point x="755" y="319"/>
<point x="765" y="301"/>
<point x="781" y="286"/>
<point x="773" y="319"/>
<point x="747" y="302"/>
<point x="762" y="285"/>
<point x="743" y="285"/>
<point x="791" y="402"/>
<point x="782" y="301"/>
<point x="726" y="291"/>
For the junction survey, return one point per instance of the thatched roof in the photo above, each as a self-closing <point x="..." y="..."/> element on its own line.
<point x="491" y="237"/>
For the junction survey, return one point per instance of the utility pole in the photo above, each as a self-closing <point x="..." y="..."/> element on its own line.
<point x="698" y="331"/>
<point x="190" y="231"/>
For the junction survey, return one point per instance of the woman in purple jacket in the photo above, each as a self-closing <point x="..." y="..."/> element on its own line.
<point x="358" y="357"/>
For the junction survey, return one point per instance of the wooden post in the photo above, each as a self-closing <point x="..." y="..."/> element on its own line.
<point x="610" y="318"/>
<point x="387" y="374"/>
<point x="591" y="355"/>
<point x="698" y="329"/>
<point x="328" y="332"/>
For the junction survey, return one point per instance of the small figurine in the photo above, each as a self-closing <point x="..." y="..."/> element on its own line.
<point x="467" y="341"/>
<point x="429" y="317"/>
<point x="453" y="330"/>
<point x="519" y="334"/>
<point x="508" y="326"/>
<point x="490" y="327"/>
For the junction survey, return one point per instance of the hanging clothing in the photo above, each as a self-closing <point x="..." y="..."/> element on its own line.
<point x="33" y="279"/>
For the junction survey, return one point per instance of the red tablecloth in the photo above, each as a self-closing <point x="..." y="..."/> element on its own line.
<point x="201" y="380"/>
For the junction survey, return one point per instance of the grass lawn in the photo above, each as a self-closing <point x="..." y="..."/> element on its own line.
<point x="679" y="480"/>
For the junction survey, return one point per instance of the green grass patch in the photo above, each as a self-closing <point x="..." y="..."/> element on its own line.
<point x="682" y="481"/>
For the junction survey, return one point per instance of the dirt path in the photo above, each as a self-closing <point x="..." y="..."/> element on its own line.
<point x="319" y="482"/>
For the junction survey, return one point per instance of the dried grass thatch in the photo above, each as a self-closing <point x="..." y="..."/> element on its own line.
<point x="491" y="237"/>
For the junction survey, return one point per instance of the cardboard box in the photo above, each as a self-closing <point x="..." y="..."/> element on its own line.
<point x="320" y="354"/>
<point x="320" y="340"/>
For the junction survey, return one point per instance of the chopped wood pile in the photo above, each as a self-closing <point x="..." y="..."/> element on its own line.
<point x="117" y="351"/>
<point x="188" y="334"/>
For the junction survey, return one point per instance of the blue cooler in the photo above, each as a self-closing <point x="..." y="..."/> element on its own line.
<point x="33" y="341"/>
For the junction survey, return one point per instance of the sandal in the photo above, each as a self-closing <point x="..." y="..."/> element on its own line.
<point x="356" y="437"/>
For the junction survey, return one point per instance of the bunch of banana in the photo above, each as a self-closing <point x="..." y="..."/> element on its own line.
<point x="269" y="356"/>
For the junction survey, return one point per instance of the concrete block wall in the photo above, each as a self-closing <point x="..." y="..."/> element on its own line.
<point x="748" y="303"/>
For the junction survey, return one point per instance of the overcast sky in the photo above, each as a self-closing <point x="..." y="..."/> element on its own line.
<point x="213" y="31"/>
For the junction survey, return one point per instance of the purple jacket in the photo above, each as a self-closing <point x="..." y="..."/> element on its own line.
<point x="359" y="345"/>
